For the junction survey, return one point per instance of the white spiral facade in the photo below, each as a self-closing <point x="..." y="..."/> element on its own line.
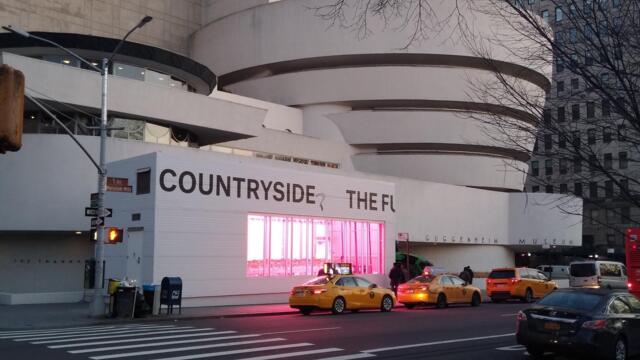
<point x="405" y="111"/>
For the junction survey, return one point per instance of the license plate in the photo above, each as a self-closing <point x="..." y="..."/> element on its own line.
<point x="552" y="326"/>
<point x="409" y="291"/>
<point x="299" y="293"/>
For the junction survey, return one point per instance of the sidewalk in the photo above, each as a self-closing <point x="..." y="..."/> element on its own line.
<point x="17" y="317"/>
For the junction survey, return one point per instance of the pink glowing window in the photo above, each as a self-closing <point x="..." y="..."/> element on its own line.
<point x="279" y="245"/>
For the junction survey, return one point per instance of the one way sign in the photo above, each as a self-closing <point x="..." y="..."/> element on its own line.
<point x="93" y="212"/>
<point x="95" y="222"/>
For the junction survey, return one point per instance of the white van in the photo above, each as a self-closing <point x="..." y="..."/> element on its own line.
<point x="604" y="274"/>
<point x="555" y="271"/>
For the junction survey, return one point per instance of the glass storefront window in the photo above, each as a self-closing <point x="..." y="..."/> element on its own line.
<point x="279" y="245"/>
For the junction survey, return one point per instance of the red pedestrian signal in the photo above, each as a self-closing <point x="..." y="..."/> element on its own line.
<point x="11" y="108"/>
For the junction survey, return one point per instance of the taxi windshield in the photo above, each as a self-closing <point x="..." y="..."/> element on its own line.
<point x="421" y="279"/>
<point x="320" y="280"/>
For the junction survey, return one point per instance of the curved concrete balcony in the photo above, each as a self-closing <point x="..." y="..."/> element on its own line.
<point x="290" y="30"/>
<point x="435" y="130"/>
<point x="482" y="171"/>
<point x="398" y="83"/>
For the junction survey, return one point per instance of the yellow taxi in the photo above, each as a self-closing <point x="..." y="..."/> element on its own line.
<point x="438" y="289"/>
<point x="518" y="283"/>
<point x="339" y="293"/>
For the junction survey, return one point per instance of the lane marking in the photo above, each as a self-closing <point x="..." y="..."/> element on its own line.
<point x="299" y="331"/>
<point x="433" y="343"/>
<point x="91" y="333"/>
<point x="186" y="348"/>
<point x="161" y="343"/>
<point x="512" y="348"/>
<point x="116" y="336"/>
<point x="241" y="351"/>
<point x="350" y="357"/>
<point x="292" y="354"/>
<point x="138" y="339"/>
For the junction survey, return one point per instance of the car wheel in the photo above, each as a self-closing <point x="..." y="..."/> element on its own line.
<point x="528" y="296"/>
<point x="339" y="305"/>
<point x="475" y="299"/>
<point x="387" y="303"/>
<point x="535" y="352"/>
<point x="620" y="352"/>
<point x="441" y="303"/>
<point x="305" y="311"/>
<point x="409" y="306"/>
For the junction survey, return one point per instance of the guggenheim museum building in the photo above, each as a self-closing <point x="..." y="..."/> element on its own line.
<point x="253" y="141"/>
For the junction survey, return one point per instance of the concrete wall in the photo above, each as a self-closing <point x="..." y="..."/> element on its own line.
<point x="455" y="257"/>
<point x="173" y="21"/>
<point x="37" y="267"/>
<point x="203" y="115"/>
<point x="429" y="82"/>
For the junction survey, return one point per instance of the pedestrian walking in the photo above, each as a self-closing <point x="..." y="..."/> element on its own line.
<point x="396" y="276"/>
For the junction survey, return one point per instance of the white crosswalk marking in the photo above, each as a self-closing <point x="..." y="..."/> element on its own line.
<point x="13" y="332"/>
<point x="185" y="342"/>
<point x="187" y="348"/>
<point x="350" y="357"/>
<point x="95" y="333"/>
<point x="292" y="354"/>
<point x="239" y="351"/>
<point x="50" y="332"/>
<point x="121" y="341"/>
<point x="164" y="343"/>
<point x="116" y="336"/>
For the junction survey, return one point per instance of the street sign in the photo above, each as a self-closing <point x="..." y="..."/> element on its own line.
<point x="93" y="200"/>
<point x="93" y="212"/>
<point x="118" y="185"/>
<point x="97" y="221"/>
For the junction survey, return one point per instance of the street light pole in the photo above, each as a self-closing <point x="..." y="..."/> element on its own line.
<point x="98" y="304"/>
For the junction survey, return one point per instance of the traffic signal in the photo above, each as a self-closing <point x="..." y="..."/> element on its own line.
<point x="11" y="108"/>
<point x="114" y="235"/>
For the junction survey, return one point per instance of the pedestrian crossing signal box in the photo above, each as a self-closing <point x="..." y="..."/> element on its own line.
<point x="113" y="235"/>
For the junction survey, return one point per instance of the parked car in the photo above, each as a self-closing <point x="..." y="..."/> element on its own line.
<point x="518" y="283"/>
<point x="600" y="323"/>
<point x="606" y="274"/>
<point x="340" y="293"/>
<point x="440" y="290"/>
<point x="555" y="271"/>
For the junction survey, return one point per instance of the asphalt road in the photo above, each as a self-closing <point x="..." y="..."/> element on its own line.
<point x="455" y="333"/>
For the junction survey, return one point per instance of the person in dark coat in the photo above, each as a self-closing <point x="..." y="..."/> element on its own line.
<point x="465" y="276"/>
<point x="468" y="270"/>
<point x="396" y="276"/>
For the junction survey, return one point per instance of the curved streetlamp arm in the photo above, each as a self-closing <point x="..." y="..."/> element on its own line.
<point x="142" y="23"/>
